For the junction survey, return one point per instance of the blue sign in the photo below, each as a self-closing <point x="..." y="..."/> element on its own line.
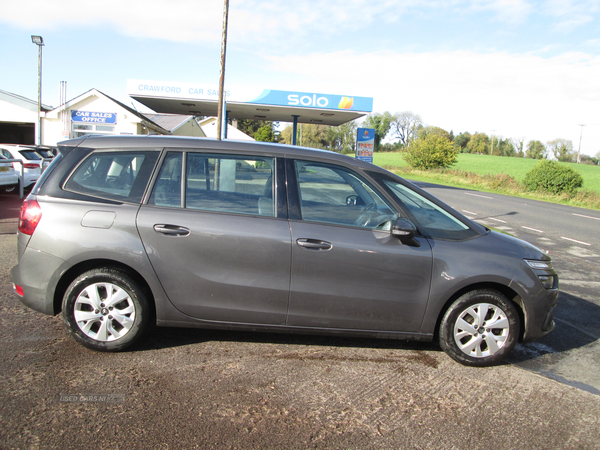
<point x="93" y="117"/>
<point x="365" y="143"/>
<point x="310" y="100"/>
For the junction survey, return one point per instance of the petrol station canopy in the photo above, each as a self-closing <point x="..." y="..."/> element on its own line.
<point x="273" y="105"/>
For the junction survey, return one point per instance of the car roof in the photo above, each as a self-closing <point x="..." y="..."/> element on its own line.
<point x="182" y="142"/>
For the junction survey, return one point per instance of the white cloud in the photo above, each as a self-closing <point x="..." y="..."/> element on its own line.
<point x="515" y="95"/>
<point x="260" y="20"/>
<point x="512" y="11"/>
<point x="571" y="14"/>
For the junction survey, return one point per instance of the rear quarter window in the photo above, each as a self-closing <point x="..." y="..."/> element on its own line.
<point x="114" y="175"/>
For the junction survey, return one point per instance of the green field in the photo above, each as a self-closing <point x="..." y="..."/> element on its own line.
<point x="492" y="165"/>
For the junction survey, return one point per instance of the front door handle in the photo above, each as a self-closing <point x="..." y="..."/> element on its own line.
<point x="314" y="244"/>
<point x="171" y="230"/>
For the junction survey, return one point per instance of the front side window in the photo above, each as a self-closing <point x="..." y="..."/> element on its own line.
<point x="114" y="175"/>
<point x="222" y="183"/>
<point x="431" y="219"/>
<point x="333" y="194"/>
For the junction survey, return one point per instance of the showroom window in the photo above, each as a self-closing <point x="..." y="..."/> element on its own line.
<point x="83" y="129"/>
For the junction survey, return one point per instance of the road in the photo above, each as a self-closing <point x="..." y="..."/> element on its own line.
<point x="571" y="354"/>
<point x="228" y="390"/>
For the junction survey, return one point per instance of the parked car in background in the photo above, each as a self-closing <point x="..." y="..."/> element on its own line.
<point x="32" y="162"/>
<point x="122" y="231"/>
<point x="44" y="151"/>
<point x="9" y="179"/>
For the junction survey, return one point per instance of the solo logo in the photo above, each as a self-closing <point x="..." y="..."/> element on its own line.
<point x="307" y="100"/>
<point x="321" y="102"/>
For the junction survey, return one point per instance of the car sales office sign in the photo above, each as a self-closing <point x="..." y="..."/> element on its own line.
<point x="365" y="142"/>
<point x="94" y="117"/>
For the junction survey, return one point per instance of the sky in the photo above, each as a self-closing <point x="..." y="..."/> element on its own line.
<point x="525" y="69"/>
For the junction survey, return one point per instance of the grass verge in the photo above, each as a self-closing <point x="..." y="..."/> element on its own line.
<point x="497" y="183"/>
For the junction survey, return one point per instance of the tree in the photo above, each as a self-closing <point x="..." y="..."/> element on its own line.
<point x="250" y="127"/>
<point x="505" y="148"/>
<point x="562" y="149"/>
<point x="553" y="177"/>
<point x="431" y="151"/>
<point x="479" y="143"/>
<point x="309" y="135"/>
<point x="265" y="134"/>
<point x="462" y="140"/>
<point x="381" y="123"/>
<point x="518" y="144"/>
<point x="536" y="150"/>
<point x="342" y="139"/>
<point x="405" y="126"/>
<point x="427" y="131"/>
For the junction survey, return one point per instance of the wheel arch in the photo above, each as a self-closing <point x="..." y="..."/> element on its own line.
<point x="84" y="266"/>
<point x="506" y="291"/>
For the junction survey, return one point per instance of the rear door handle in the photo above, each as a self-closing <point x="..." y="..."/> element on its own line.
<point x="171" y="230"/>
<point x="314" y="244"/>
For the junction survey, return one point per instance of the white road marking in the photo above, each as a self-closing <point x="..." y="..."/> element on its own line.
<point x="469" y="212"/>
<point x="497" y="220"/>
<point x="573" y="240"/>
<point x="532" y="229"/>
<point x="587" y="217"/>
<point x="477" y="195"/>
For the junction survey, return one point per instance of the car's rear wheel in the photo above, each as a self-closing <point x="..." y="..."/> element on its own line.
<point x="105" y="309"/>
<point x="480" y="328"/>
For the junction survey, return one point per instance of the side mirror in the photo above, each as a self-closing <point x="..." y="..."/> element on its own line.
<point x="406" y="231"/>
<point x="352" y="200"/>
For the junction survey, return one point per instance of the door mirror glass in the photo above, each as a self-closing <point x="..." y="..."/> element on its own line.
<point x="404" y="228"/>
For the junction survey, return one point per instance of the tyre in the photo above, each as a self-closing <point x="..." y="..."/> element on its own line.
<point x="105" y="310"/>
<point x="480" y="328"/>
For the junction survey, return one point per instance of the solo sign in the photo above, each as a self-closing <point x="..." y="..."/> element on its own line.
<point x="93" y="117"/>
<point x="365" y="142"/>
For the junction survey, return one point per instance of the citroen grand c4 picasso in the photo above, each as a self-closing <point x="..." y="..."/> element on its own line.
<point x="124" y="231"/>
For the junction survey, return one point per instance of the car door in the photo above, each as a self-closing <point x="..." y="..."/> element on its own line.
<point x="218" y="241"/>
<point x="348" y="271"/>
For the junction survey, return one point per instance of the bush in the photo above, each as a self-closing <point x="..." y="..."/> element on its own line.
<point x="431" y="152"/>
<point x="553" y="177"/>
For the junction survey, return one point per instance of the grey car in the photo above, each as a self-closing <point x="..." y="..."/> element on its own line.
<point x="124" y="231"/>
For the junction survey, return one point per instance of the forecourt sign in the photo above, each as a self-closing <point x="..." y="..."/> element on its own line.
<point x="365" y="143"/>
<point x="278" y="106"/>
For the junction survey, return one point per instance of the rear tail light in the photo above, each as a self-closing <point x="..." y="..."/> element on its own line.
<point x="30" y="216"/>
<point x="31" y="166"/>
<point x="18" y="290"/>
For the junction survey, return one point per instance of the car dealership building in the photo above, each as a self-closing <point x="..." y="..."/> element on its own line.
<point x="176" y="106"/>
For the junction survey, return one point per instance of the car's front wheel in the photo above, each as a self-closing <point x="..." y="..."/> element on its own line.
<point x="480" y="328"/>
<point x="104" y="309"/>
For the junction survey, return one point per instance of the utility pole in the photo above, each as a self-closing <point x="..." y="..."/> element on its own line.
<point x="222" y="79"/>
<point x="579" y="151"/>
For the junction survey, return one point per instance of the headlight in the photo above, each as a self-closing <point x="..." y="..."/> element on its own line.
<point x="543" y="265"/>
<point x="549" y="281"/>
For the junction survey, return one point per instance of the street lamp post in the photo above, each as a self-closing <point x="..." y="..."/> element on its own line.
<point x="39" y="41"/>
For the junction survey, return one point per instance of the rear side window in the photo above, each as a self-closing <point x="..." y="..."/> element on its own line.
<point x="30" y="154"/>
<point x="223" y="183"/>
<point x="114" y="175"/>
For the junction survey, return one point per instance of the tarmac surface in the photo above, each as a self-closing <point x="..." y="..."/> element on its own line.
<point x="228" y="390"/>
